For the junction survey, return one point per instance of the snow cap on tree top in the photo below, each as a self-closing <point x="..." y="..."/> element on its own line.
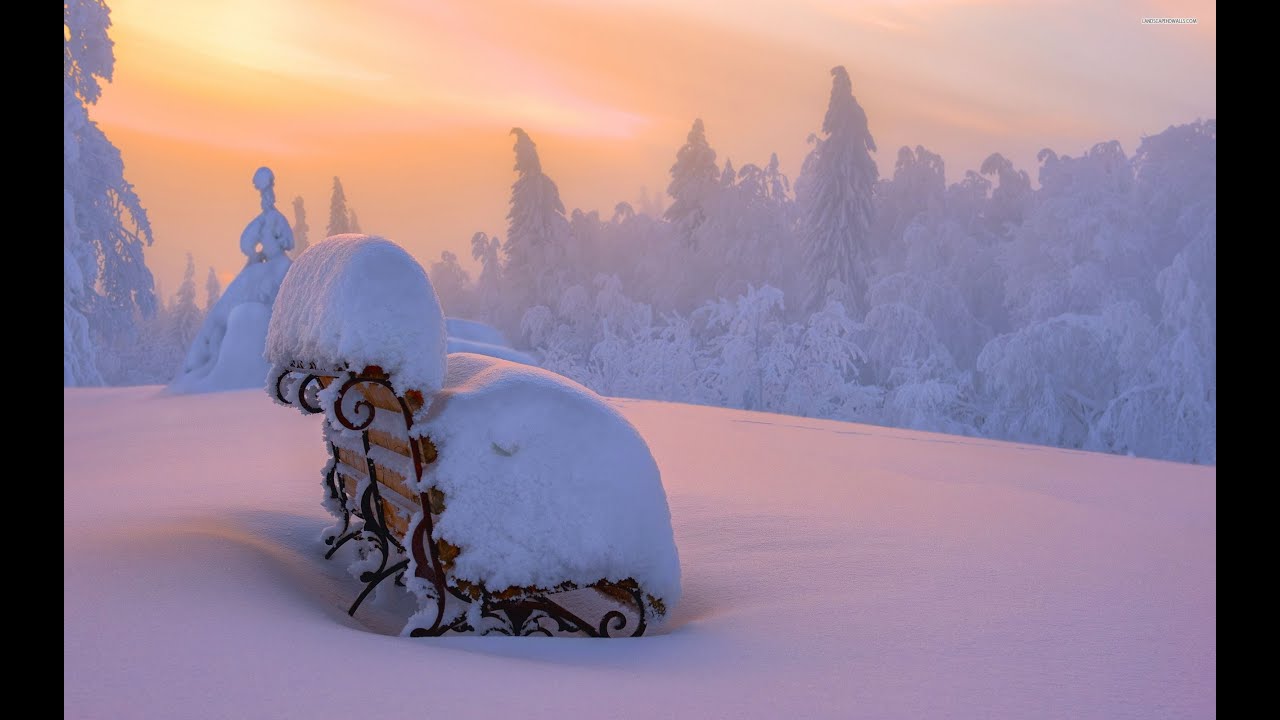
<point x="526" y="152"/>
<point x="844" y="114"/>
<point x="841" y="84"/>
<point x="263" y="178"/>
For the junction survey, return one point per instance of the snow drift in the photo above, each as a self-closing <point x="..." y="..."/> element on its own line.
<point x="829" y="570"/>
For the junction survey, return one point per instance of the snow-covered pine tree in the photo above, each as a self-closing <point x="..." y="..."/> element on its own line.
<point x="650" y="203"/>
<point x="536" y="234"/>
<point x="185" y="315"/>
<point x="751" y="234"/>
<point x="694" y="182"/>
<point x="353" y="221"/>
<point x="213" y="290"/>
<point x="106" y="284"/>
<point x="834" y="191"/>
<point x="300" y="227"/>
<point x="452" y="284"/>
<point x="339" y="217"/>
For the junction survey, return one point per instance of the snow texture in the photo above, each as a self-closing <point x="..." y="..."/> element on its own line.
<point x="830" y="570"/>
<point x="362" y="300"/>
<point x="545" y="482"/>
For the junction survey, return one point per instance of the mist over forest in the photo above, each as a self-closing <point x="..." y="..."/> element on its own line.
<point x="1077" y="311"/>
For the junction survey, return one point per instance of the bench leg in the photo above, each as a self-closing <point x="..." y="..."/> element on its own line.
<point x="371" y="581"/>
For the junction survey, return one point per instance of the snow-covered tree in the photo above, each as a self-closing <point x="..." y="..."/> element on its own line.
<point x="622" y="212"/>
<point x="185" y="316"/>
<point x="651" y="204"/>
<point x="1053" y="381"/>
<point x="1079" y="247"/>
<point x="107" y="287"/>
<point x="918" y="187"/>
<point x="966" y="201"/>
<point x="487" y="295"/>
<point x="339" y="216"/>
<point x="353" y="221"/>
<point x="640" y="249"/>
<point x="902" y="342"/>
<point x="1080" y="313"/>
<point x="452" y="283"/>
<point x="835" y="192"/>
<point x="750" y="347"/>
<point x="933" y="294"/>
<point x="748" y="237"/>
<point x="537" y="232"/>
<point x="728" y="176"/>
<point x="694" y="182"/>
<point x="586" y="247"/>
<point x="487" y="251"/>
<point x="228" y="351"/>
<point x="1011" y="196"/>
<point x="300" y="227"/>
<point x="212" y="289"/>
<point x="826" y="358"/>
<point x="1170" y="410"/>
<point x="1176" y="186"/>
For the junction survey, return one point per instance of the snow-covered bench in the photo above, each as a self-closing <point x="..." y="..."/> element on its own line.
<point x="504" y="497"/>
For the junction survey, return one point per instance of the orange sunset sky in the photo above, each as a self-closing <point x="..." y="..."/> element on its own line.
<point x="410" y="101"/>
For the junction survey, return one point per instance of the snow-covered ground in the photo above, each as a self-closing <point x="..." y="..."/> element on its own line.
<point x="829" y="570"/>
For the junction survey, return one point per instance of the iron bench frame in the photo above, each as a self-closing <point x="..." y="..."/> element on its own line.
<point x="518" y="610"/>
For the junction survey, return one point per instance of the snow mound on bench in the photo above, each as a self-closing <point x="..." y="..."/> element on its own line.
<point x="360" y="299"/>
<point x="544" y="482"/>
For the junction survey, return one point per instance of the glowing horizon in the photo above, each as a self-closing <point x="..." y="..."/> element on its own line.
<point x="410" y="102"/>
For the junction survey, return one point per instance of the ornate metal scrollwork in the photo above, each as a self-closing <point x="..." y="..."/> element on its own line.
<point x="339" y="498"/>
<point x="375" y="528"/>
<point x="525" y="616"/>
<point x="299" y="395"/>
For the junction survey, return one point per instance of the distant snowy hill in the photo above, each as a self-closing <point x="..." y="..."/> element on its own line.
<point x="476" y="337"/>
<point x="830" y="570"/>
